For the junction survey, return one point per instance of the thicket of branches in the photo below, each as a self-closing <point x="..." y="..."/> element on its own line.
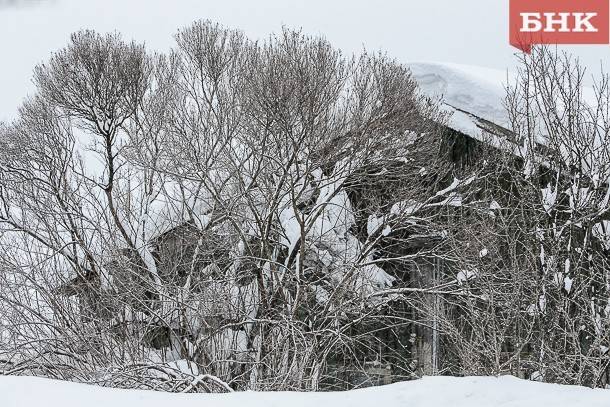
<point x="251" y="151"/>
<point x="276" y="215"/>
<point x="537" y="226"/>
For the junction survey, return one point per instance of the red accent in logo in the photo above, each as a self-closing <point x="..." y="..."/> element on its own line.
<point x="558" y="22"/>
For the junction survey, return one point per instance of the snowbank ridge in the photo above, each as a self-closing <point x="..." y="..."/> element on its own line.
<point x="505" y="391"/>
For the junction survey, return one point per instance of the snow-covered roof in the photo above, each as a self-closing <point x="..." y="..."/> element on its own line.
<point x="473" y="95"/>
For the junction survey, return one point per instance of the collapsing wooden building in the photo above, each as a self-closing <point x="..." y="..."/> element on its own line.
<point x="413" y="349"/>
<point x="219" y="328"/>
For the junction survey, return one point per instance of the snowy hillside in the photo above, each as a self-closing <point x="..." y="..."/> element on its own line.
<point x="505" y="391"/>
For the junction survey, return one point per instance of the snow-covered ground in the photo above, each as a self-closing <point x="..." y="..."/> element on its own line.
<point x="505" y="391"/>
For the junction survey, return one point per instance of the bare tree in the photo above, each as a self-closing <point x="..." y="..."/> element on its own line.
<point x="540" y="276"/>
<point x="227" y="206"/>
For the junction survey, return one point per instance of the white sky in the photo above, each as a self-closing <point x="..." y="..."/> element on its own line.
<point x="462" y="31"/>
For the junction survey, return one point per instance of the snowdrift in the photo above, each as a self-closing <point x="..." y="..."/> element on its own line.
<point x="504" y="391"/>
